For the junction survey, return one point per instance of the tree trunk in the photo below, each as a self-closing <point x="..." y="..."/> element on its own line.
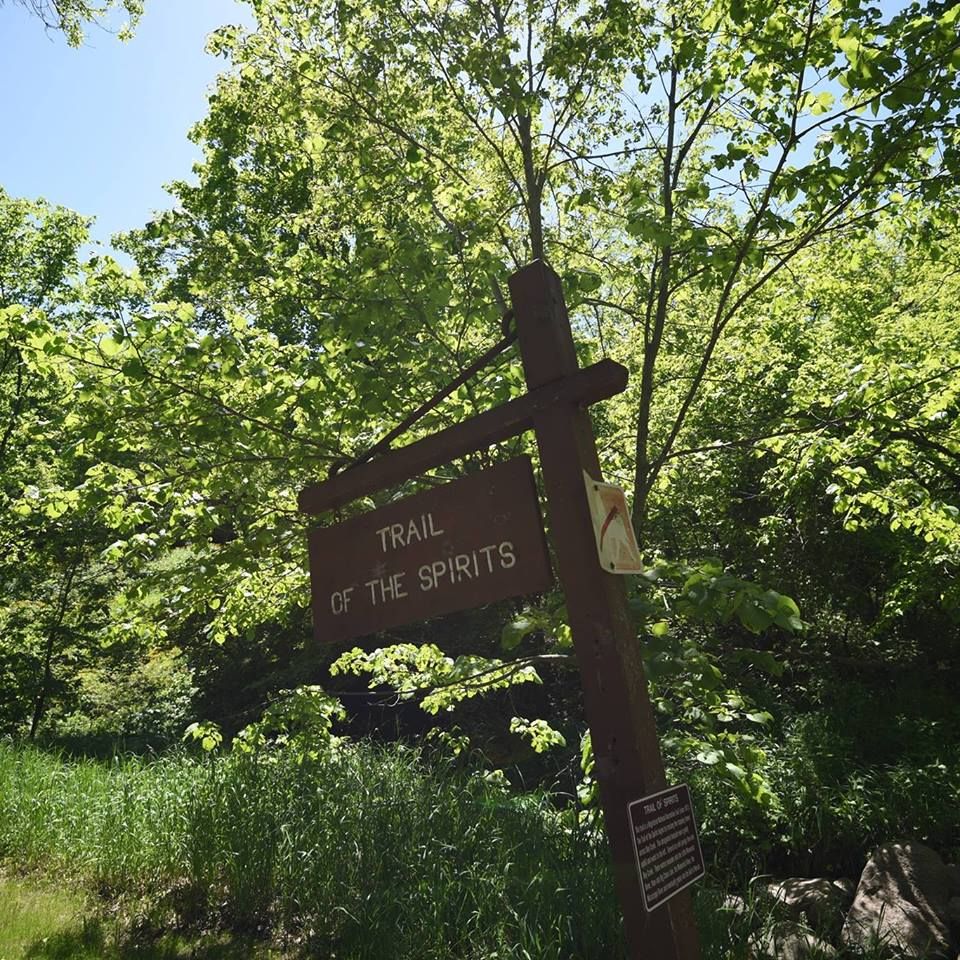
<point x="534" y="187"/>
<point x="653" y="332"/>
<point x="52" y="632"/>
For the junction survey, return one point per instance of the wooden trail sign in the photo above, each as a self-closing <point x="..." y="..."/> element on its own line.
<point x="460" y="545"/>
<point x="628" y="764"/>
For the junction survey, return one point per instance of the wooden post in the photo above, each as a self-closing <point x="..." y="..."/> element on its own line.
<point x="622" y="727"/>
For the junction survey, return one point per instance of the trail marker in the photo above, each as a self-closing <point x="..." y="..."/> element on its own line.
<point x="616" y="543"/>
<point x="463" y="544"/>
<point x="623" y="731"/>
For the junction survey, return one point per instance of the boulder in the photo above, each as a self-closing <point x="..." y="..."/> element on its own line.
<point x="901" y="901"/>
<point x="848" y="888"/>
<point x="821" y="902"/>
<point x="787" y="940"/>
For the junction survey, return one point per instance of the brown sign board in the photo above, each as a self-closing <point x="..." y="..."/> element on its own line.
<point x="666" y="844"/>
<point x="463" y="544"/>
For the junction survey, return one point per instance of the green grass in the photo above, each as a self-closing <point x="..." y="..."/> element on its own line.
<point x="367" y="855"/>
<point x="370" y="854"/>
<point x="29" y="913"/>
<point x="38" y="922"/>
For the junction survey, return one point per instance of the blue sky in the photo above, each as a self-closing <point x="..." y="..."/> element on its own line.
<point x="101" y="128"/>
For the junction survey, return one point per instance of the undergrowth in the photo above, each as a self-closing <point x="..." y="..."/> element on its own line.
<point x="366" y="854"/>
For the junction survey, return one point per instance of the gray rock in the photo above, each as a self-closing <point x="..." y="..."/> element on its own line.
<point x="848" y="888"/>
<point x="783" y="893"/>
<point x="901" y="901"/>
<point x="821" y="902"/>
<point x="733" y="903"/>
<point x="789" y="941"/>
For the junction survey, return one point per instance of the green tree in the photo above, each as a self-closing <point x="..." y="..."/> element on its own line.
<point x="822" y="456"/>
<point x="72" y="16"/>
<point x="371" y="174"/>
<point x="872" y="426"/>
<point x="669" y="162"/>
<point x="47" y="586"/>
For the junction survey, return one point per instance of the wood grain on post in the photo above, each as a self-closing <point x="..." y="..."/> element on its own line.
<point x="622" y="726"/>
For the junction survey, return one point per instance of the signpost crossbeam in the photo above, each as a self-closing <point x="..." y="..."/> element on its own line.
<point x="597" y="382"/>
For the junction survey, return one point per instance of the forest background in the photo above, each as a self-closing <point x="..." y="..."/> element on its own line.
<point x="753" y="206"/>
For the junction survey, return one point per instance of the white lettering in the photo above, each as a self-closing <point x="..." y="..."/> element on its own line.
<point x="396" y="590"/>
<point x="507" y="558"/>
<point x="415" y="530"/>
<point x="383" y="589"/>
<point x="340" y="601"/>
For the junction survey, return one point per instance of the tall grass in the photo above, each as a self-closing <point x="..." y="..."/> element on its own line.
<point x="364" y="855"/>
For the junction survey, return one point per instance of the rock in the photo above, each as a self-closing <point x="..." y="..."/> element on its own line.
<point x="789" y="941"/>
<point x="953" y="876"/>
<point x="732" y="903"/>
<point x="820" y="901"/>
<point x="848" y="888"/>
<point x="901" y="900"/>
<point x="787" y="904"/>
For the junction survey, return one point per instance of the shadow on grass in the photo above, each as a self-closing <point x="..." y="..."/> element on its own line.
<point x="92" y="940"/>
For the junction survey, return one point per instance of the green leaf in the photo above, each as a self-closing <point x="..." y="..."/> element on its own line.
<point x="109" y="347"/>
<point x="134" y="369"/>
<point x="514" y="632"/>
<point x="588" y="282"/>
<point x="754" y="617"/>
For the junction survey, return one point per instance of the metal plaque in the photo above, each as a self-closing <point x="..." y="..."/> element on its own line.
<point x="464" y="544"/>
<point x="665" y="843"/>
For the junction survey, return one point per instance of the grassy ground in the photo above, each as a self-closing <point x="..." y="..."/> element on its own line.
<point x="40" y="922"/>
<point x="30" y="915"/>
<point x="369" y="855"/>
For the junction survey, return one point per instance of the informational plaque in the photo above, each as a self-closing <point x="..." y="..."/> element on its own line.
<point x="666" y="844"/>
<point x="463" y="544"/>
